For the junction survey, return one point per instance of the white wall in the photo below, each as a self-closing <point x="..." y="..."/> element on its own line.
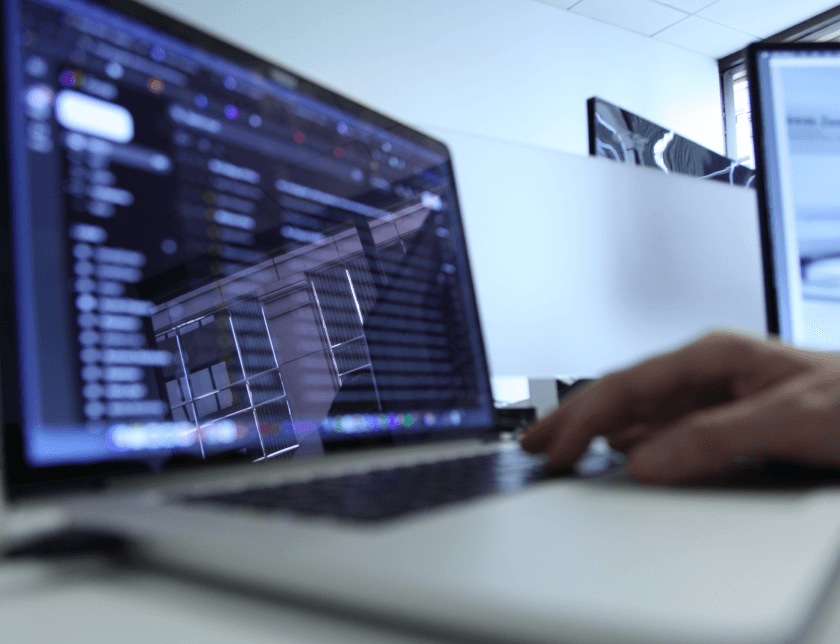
<point x="515" y="70"/>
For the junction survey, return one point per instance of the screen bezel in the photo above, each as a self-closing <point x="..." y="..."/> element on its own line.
<point x="21" y="479"/>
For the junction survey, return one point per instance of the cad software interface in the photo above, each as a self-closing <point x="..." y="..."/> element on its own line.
<point x="800" y="95"/>
<point x="209" y="262"/>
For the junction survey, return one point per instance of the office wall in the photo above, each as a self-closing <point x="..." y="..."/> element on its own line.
<point x="515" y="70"/>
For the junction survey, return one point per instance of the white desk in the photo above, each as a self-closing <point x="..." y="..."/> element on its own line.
<point x="89" y="603"/>
<point x="84" y="602"/>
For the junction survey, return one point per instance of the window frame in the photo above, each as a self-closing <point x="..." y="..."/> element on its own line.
<point x="824" y="27"/>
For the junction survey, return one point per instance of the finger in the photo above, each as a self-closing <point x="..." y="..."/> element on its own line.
<point x="538" y="435"/>
<point x="657" y="379"/>
<point x="793" y="421"/>
<point x="668" y="386"/>
<point x="647" y="393"/>
<point x="661" y="406"/>
<point x="626" y="438"/>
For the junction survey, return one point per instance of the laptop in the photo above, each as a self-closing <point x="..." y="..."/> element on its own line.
<point x="794" y="90"/>
<point x="242" y="335"/>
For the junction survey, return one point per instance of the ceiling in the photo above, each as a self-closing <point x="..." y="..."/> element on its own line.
<point x="714" y="28"/>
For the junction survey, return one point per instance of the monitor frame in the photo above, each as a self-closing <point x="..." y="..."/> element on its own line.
<point x="763" y="160"/>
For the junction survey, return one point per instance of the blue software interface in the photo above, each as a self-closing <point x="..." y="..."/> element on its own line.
<point x="210" y="261"/>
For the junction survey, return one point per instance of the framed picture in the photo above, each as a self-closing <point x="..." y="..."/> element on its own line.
<point x="618" y="134"/>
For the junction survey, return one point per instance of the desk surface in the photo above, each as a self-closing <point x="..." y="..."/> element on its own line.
<point x="86" y="602"/>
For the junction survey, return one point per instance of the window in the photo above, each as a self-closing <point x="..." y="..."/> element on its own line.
<point x="739" y="143"/>
<point x="735" y="85"/>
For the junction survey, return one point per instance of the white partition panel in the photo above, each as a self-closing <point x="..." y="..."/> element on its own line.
<point x="583" y="265"/>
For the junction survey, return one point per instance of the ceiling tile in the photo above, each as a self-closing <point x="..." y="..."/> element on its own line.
<point x="765" y="18"/>
<point x="563" y="4"/>
<point x="705" y="37"/>
<point x="687" y="5"/>
<point x="642" y="16"/>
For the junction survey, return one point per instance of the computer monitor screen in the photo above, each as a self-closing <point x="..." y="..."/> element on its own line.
<point x="211" y="256"/>
<point x="796" y="116"/>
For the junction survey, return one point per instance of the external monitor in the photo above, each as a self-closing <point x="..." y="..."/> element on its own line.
<point x="795" y="92"/>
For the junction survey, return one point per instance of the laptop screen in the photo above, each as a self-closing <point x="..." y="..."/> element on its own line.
<point x="796" y="118"/>
<point x="212" y="257"/>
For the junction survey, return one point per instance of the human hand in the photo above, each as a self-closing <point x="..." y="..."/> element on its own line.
<point x="702" y="409"/>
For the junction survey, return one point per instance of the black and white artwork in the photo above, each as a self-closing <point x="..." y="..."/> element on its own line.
<point x="620" y="135"/>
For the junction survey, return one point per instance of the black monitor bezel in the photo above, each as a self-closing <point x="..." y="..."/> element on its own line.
<point x="757" y="107"/>
<point x="24" y="481"/>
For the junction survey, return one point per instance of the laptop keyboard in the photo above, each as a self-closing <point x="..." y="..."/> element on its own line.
<point x="382" y="494"/>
